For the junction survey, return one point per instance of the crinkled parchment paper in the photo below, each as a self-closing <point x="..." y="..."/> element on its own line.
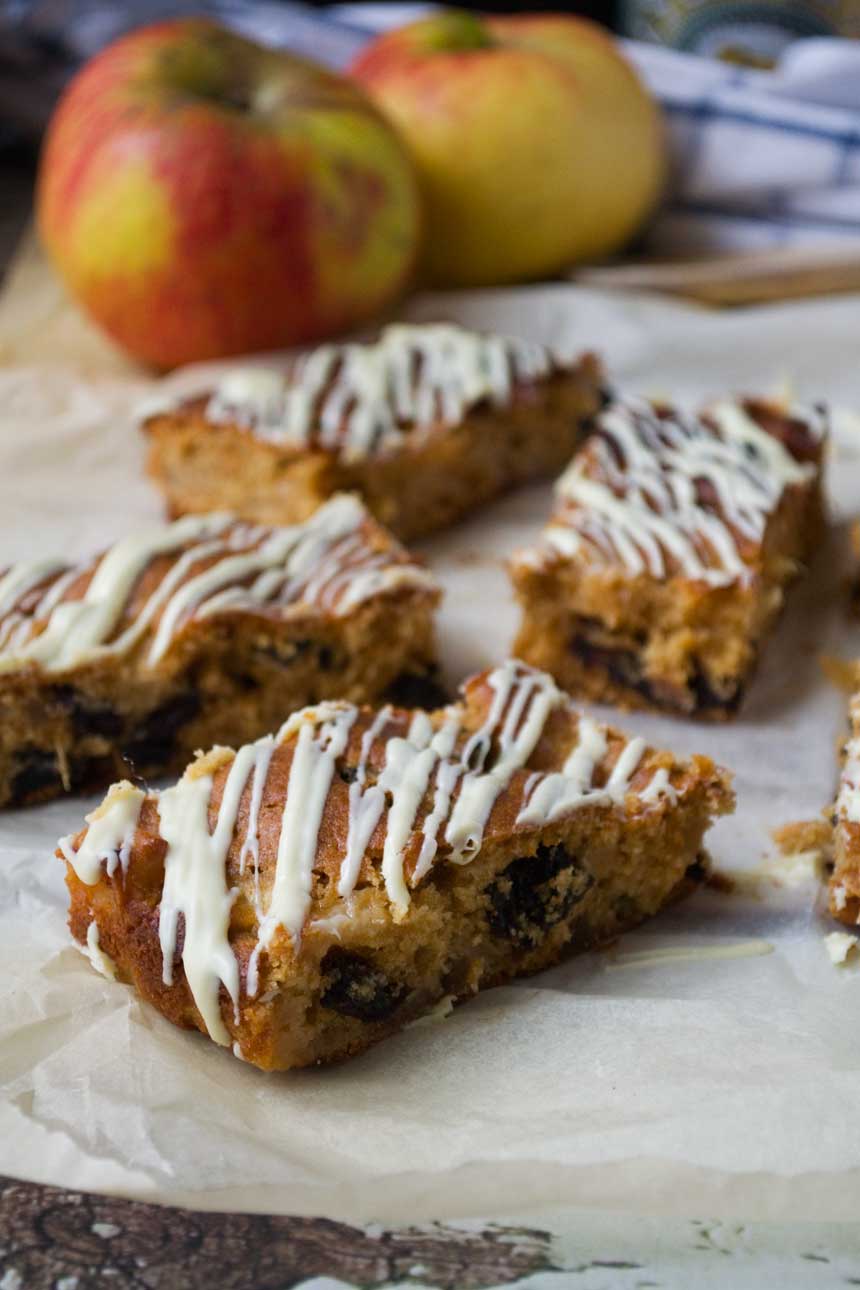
<point x="681" y="1085"/>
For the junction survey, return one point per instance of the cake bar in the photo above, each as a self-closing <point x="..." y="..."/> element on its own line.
<point x="337" y="880"/>
<point x="425" y="424"/>
<point x="208" y="629"/>
<point x="845" y="878"/>
<point x="667" y="557"/>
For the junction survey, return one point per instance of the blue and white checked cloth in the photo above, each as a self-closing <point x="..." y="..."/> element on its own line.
<point x="760" y="159"/>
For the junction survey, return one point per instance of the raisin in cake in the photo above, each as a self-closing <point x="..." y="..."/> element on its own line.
<point x="208" y="629"/>
<point x="667" y="557"/>
<point x="425" y="424"/>
<point x="315" y="891"/>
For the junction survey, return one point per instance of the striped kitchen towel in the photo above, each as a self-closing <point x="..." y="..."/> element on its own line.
<point x="760" y="159"/>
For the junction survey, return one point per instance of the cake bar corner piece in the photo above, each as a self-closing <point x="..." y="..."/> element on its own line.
<point x="383" y="859"/>
<point x="673" y="539"/>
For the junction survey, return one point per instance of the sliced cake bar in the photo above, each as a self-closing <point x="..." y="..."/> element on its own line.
<point x="306" y="896"/>
<point x="425" y="424"/>
<point x="666" y="560"/>
<point x="206" y="630"/>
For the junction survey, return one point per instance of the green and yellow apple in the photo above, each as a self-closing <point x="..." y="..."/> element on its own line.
<point x="204" y="196"/>
<point x="536" y="144"/>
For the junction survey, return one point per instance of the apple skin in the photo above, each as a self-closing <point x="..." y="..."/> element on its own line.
<point x="536" y="144"/>
<point x="203" y="196"/>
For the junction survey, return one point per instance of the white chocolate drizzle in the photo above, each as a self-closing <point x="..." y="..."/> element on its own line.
<point x="218" y="566"/>
<point x="436" y="779"/>
<point x="692" y="954"/>
<point x="77" y="629"/>
<point x="522" y="702"/>
<point x="321" y="737"/>
<point x="16" y="614"/>
<point x="331" y="925"/>
<point x="102" y="962"/>
<point x="447" y="777"/>
<point x="108" y="839"/>
<point x="408" y="767"/>
<point x="358" y="399"/>
<point x="251" y="846"/>
<point x="555" y="794"/>
<point x="23" y="577"/>
<point x="660" y="494"/>
<point x="195" y="887"/>
<point x="366" y="805"/>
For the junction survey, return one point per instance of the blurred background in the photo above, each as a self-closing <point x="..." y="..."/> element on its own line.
<point x="759" y="103"/>
<point x="43" y="41"/>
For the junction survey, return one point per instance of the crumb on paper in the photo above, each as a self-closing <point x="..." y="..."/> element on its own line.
<point x="802" y="836"/>
<point x="467" y="558"/>
<point x="63" y="766"/>
<point x="800" y="867"/>
<point x="848" y="419"/>
<point x="804" y="849"/>
<point x="788" y="868"/>
<point x="721" y="882"/>
<point x="784" y="390"/>
<point x="839" y="946"/>
<point x="437" y="1013"/>
<point x="840" y="672"/>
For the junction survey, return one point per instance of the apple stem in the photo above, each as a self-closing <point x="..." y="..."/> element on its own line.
<point x="458" y="30"/>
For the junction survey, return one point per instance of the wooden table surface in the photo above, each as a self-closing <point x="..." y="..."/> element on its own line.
<point x="67" y="1240"/>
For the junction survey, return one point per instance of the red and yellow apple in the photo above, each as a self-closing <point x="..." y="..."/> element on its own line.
<point x="536" y="144"/>
<point x="204" y="196"/>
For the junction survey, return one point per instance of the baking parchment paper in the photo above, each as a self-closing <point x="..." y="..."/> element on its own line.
<point x="703" y="1084"/>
